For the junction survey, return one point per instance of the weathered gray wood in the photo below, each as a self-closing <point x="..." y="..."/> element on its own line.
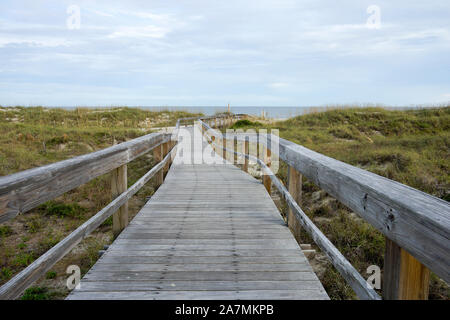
<point x="25" y="190"/>
<point x="201" y="295"/>
<point x="198" y="276"/>
<point x="205" y="267"/>
<point x="416" y="221"/>
<point x="295" y="189"/>
<point x="197" y="229"/>
<point x="351" y="275"/>
<point x="246" y="152"/>
<point x="107" y="286"/>
<point x="140" y="259"/>
<point x="14" y="287"/>
<point x="157" y="155"/>
<point x="118" y="186"/>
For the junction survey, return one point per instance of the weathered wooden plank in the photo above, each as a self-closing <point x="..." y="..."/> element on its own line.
<point x="108" y="286"/>
<point x="234" y="267"/>
<point x="230" y="252"/>
<point x="204" y="246"/>
<point x="199" y="276"/>
<point x="202" y="295"/>
<point x="27" y="189"/>
<point x="191" y="259"/>
<point x="199" y="228"/>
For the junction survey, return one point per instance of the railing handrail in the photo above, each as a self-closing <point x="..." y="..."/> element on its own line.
<point x="14" y="287"/>
<point x="23" y="191"/>
<point x="416" y="221"/>
<point x="350" y="274"/>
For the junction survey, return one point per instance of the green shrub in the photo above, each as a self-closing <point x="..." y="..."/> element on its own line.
<point x="73" y="210"/>
<point x="5" y="273"/>
<point x="245" y="123"/>
<point x="36" y="293"/>
<point x="5" y="231"/>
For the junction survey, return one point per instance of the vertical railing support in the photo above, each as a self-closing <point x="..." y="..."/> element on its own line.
<point x="157" y="155"/>
<point x="224" y="144"/>
<point x="213" y="140"/>
<point x="118" y="186"/>
<point x="246" y="152"/>
<point x="235" y="143"/>
<point x="295" y="189"/>
<point x="404" y="278"/>
<point x="267" y="160"/>
<point x="165" y="151"/>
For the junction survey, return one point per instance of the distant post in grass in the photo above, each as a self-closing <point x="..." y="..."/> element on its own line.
<point x="118" y="186"/>
<point x="405" y="278"/>
<point x="295" y="189"/>
<point x="246" y="152"/>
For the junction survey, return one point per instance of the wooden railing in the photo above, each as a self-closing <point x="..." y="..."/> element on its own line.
<point x="23" y="191"/>
<point x="416" y="225"/>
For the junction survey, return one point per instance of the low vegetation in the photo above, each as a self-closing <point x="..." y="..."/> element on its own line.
<point x="31" y="137"/>
<point x="411" y="147"/>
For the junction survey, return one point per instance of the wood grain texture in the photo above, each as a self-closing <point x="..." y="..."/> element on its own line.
<point x="25" y="190"/>
<point x="350" y="274"/>
<point x="118" y="186"/>
<point x="157" y="155"/>
<point x="416" y="221"/>
<point x="209" y="232"/>
<point x="404" y="277"/>
<point x="295" y="189"/>
<point x="246" y="152"/>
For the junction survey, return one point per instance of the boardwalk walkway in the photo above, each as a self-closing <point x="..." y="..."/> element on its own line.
<point x="209" y="232"/>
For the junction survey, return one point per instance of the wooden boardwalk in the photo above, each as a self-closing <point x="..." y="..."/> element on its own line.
<point x="209" y="232"/>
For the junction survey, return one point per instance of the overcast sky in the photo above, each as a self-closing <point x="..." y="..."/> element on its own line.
<point x="210" y="53"/>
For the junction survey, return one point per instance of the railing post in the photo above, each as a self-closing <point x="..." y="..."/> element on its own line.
<point x="118" y="186"/>
<point x="164" y="153"/>
<point x="235" y="143"/>
<point x="267" y="160"/>
<point x="295" y="189"/>
<point x="157" y="154"/>
<point x="405" y="278"/>
<point x="246" y="152"/>
<point x="171" y="145"/>
<point x="224" y="144"/>
<point x="213" y="140"/>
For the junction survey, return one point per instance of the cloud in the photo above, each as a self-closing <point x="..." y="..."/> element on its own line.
<point x="139" y="32"/>
<point x="277" y="85"/>
<point x="33" y="41"/>
<point x="199" y="52"/>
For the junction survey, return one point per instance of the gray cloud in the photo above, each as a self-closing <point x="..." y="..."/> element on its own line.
<point x="210" y="53"/>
